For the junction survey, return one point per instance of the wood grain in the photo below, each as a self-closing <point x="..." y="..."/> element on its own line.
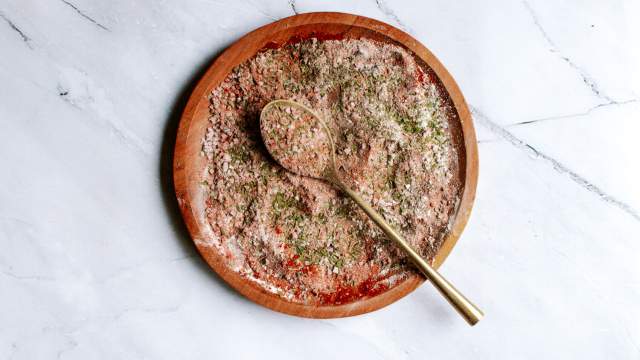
<point x="188" y="163"/>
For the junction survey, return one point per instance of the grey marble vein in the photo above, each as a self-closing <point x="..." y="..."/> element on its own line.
<point x="14" y="349"/>
<point x="163" y="310"/>
<point x="389" y="13"/>
<point x="64" y="94"/>
<point x="579" y="114"/>
<point x="586" y="78"/>
<point x="493" y="127"/>
<point x="72" y="344"/>
<point x="292" y="4"/>
<point x="127" y="136"/>
<point x="12" y="25"/>
<point x="81" y="13"/>
<point x="486" y="141"/>
<point x="632" y="340"/>
<point x="26" y="277"/>
<point x="263" y="13"/>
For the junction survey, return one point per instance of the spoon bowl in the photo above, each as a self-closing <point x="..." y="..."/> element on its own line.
<point x="298" y="139"/>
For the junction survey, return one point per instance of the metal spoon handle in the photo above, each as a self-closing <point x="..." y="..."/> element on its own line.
<point x="467" y="309"/>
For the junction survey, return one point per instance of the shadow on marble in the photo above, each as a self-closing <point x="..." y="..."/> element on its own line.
<point x="166" y="176"/>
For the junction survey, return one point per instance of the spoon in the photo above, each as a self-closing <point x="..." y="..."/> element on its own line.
<point x="295" y="135"/>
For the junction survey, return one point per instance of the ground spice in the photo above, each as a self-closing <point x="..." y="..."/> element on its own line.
<point x="297" y="237"/>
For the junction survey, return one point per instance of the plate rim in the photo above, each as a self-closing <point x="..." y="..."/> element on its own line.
<point x="182" y="177"/>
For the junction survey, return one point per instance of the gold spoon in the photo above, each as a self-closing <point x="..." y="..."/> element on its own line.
<point x="291" y="139"/>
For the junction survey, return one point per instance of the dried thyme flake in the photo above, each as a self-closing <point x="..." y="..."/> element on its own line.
<point x="240" y="153"/>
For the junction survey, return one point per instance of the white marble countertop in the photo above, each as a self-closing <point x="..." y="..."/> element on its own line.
<point x="94" y="259"/>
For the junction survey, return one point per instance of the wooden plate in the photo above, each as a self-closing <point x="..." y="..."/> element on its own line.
<point x="188" y="162"/>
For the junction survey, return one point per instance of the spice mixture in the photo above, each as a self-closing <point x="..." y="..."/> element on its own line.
<point x="394" y="131"/>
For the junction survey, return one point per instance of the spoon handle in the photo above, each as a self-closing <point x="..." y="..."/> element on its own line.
<point x="467" y="309"/>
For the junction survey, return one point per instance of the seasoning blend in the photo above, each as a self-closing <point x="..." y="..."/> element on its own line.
<point x="298" y="237"/>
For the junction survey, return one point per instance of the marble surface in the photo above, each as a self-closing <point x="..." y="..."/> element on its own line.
<point x="94" y="259"/>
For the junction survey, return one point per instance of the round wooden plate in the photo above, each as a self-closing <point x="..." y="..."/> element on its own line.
<point x="188" y="163"/>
